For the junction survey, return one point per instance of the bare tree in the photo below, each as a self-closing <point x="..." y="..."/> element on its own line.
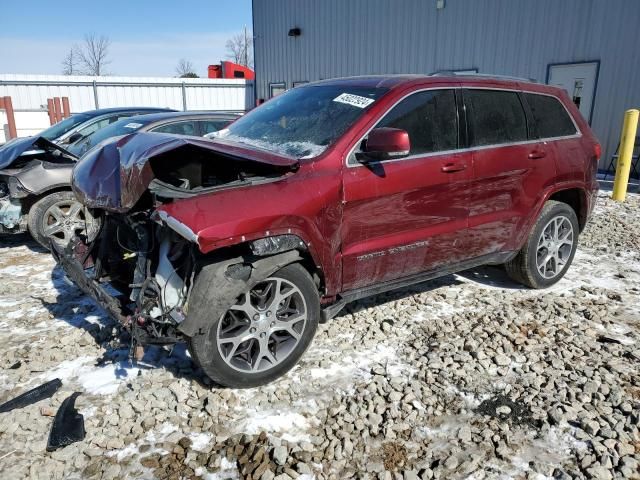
<point x="93" y="55"/>
<point x="70" y="62"/>
<point x="240" y="48"/>
<point x="185" y="69"/>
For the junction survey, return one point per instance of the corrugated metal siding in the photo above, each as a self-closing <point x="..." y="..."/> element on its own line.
<point x="30" y="92"/>
<point x="508" y="37"/>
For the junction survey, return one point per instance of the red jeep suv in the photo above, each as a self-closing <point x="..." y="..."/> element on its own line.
<point x="239" y="245"/>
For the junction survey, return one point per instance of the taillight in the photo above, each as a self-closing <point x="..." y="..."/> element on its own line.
<point x="597" y="151"/>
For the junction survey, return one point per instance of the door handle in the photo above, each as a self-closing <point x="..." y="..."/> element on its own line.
<point x="537" y="154"/>
<point x="453" y="167"/>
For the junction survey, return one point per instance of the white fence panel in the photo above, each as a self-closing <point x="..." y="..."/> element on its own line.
<point x="30" y="92"/>
<point x="31" y="123"/>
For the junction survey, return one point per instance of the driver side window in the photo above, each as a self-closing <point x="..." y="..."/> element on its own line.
<point x="429" y="117"/>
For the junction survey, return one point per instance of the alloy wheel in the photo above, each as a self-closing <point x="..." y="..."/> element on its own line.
<point x="555" y="246"/>
<point x="65" y="219"/>
<point x="263" y="327"/>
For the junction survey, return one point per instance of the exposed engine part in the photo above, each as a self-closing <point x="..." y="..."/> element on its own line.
<point x="34" y="395"/>
<point x="68" y="425"/>
<point x="140" y="272"/>
<point x="172" y="288"/>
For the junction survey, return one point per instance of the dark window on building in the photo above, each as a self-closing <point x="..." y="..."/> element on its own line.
<point x="430" y="119"/>
<point x="238" y="74"/>
<point x="495" y="117"/>
<point x="550" y="118"/>
<point x="276" y="89"/>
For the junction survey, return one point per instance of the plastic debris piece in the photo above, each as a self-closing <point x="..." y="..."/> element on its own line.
<point x="68" y="426"/>
<point x="16" y="365"/>
<point x="45" y="390"/>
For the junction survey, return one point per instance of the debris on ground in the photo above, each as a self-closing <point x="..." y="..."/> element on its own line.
<point x="68" y="425"/>
<point x="34" y="395"/>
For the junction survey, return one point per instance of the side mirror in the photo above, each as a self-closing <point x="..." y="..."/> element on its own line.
<point x="74" y="137"/>
<point x="385" y="143"/>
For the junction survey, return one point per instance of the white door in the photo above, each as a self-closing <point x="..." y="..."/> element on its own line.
<point x="579" y="80"/>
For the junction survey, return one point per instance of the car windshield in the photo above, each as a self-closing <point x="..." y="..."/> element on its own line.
<point x="304" y="121"/>
<point x="56" y="131"/>
<point x="116" y="129"/>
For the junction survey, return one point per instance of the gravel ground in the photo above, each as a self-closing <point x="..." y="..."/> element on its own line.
<point x="469" y="376"/>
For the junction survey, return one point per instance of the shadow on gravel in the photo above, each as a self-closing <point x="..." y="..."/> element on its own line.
<point x="492" y="276"/>
<point x="71" y="305"/>
<point x="19" y="240"/>
<point x="174" y="360"/>
<point x="401" y="293"/>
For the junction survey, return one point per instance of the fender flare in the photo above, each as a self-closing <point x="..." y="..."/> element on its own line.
<point x="220" y="282"/>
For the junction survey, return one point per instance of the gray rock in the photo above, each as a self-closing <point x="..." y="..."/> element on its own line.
<point x="280" y="455"/>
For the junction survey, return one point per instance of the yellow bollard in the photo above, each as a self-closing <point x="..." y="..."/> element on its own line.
<point x="627" y="141"/>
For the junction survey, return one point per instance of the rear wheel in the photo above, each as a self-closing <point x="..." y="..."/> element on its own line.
<point x="549" y="250"/>
<point x="263" y="334"/>
<point x="59" y="217"/>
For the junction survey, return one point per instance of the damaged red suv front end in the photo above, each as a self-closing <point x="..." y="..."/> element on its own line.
<point x="192" y="225"/>
<point x="144" y="253"/>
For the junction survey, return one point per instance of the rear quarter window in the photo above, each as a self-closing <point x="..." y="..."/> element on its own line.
<point x="550" y="118"/>
<point x="495" y="117"/>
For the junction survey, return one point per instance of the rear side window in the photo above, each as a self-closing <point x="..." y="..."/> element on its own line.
<point x="178" y="128"/>
<point x="550" y="118"/>
<point x="209" y="126"/>
<point x="495" y="117"/>
<point x="429" y="117"/>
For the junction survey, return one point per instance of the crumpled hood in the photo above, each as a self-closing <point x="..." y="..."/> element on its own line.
<point x="115" y="174"/>
<point x="10" y="151"/>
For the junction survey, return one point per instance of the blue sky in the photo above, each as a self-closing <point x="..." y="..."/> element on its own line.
<point x="148" y="37"/>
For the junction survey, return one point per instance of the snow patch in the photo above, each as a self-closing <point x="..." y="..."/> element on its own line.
<point x="200" y="441"/>
<point x="103" y="380"/>
<point x="228" y="471"/>
<point x="287" y="425"/>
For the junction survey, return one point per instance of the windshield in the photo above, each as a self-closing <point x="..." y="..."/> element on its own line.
<point x="302" y="122"/>
<point x="116" y="129"/>
<point x="56" y="131"/>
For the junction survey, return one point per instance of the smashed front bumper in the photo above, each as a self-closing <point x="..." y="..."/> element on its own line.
<point x="73" y="261"/>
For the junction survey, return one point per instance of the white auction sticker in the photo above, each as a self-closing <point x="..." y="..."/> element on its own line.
<point x="133" y="125"/>
<point x="354" y="100"/>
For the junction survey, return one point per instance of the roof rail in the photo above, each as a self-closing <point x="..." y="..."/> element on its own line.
<point x="447" y="73"/>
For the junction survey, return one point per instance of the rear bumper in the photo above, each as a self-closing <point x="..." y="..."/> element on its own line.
<point x="78" y="274"/>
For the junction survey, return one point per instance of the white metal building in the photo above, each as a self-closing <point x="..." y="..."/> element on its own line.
<point x="589" y="47"/>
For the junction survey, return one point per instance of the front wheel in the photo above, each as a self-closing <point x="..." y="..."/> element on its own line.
<point x="263" y="334"/>
<point x="59" y="217"/>
<point x="549" y="250"/>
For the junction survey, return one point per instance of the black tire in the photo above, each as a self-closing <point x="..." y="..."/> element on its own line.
<point x="206" y="353"/>
<point x="523" y="268"/>
<point x="37" y="221"/>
